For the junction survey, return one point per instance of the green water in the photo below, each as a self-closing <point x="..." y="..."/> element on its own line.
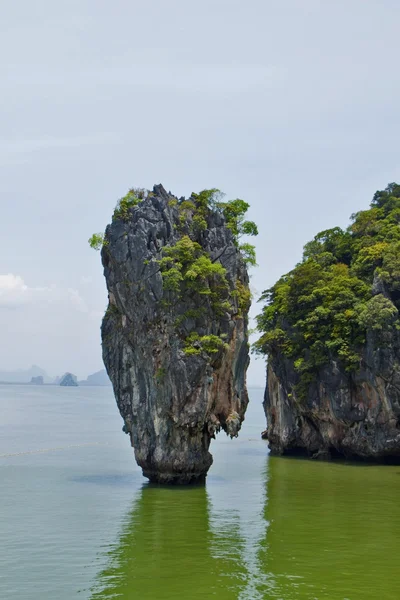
<point x="78" y="521"/>
<point x="326" y="531"/>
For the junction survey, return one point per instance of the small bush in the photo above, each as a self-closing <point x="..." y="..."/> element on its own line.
<point x="130" y="200"/>
<point x="97" y="241"/>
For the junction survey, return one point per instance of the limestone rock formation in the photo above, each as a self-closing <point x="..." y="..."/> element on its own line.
<point x="174" y="335"/>
<point x="331" y="330"/>
<point x="68" y="380"/>
<point x="100" y="378"/>
<point x="351" y="414"/>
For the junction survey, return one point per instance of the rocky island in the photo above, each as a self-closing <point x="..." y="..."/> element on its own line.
<point x="68" y="380"/>
<point x="331" y="331"/>
<point x="174" y="336"/>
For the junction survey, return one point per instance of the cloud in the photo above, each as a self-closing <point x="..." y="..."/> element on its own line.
<point x="49" y="325"/>
<point x="11" y="282"/>
<point x="14" y="293"/>
<point x="13" y="290"/>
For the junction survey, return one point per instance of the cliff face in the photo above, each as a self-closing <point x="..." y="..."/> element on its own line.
<point x="331" y="331"/>
<point x="176" y="354"/>
<point x="356" y="415"/>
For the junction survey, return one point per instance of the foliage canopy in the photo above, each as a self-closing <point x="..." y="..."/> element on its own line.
<point x="96" y="241"/>
<point x="323" y="308"/>
<point x="187" y="268"/>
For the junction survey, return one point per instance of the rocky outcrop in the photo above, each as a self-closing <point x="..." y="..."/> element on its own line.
<point x="68" y="380"/>
<point x="355" y="415"/>
<point x="100" y="378"/>
<point x="176" y="355"/>
<point x="331" y="331"/>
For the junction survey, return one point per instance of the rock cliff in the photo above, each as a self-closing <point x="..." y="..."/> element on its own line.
<point x="355" y="415"/>
<point x="331" y="330"/>
<point x="174" y="335"/>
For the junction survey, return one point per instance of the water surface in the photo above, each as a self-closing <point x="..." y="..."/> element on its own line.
<point x="77" y="520"/>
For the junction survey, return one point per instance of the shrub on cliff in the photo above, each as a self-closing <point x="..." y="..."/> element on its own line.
<point x="187" y="268"/>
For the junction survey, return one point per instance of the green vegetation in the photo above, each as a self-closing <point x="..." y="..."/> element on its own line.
<point x="188" y="271"/>
<point x="186" y="267"/>
<point x="234" y="212"/>
<point x="160" y="374"/>
<point x="248" y="253"/>
<point x="131" y="199"/>
<point x="97" y="241"/>
<point x="322" y="309"/>
<point x="112" y="309"/>
<point x="243" y="294"/>
<point x="196" y="208"/>
<point x="210" y="344"/>
<point x="187" y="262"/>
<point x="121" y="211"/>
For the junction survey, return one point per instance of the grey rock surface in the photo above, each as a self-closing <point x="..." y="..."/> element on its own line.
<point x="355" y="415"/>
<point x="172" y="403"/>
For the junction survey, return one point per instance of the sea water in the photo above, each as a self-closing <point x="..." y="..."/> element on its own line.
<point x="78" y="520"/>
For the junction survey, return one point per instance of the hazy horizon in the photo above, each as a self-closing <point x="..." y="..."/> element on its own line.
<point x="35" y="367"/>
<point x="290" y="105"/>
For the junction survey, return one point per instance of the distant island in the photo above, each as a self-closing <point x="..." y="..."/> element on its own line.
<point x="38" y="376"/>
<point x="68" y="380"/>
<point x="98" y="378"/>
<point x="25" y="376"/>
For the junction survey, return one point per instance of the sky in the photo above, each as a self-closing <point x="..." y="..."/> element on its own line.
<point x="291" y="105"/>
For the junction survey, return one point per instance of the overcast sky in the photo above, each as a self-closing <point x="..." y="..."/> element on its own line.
<point x="291" y="105"/>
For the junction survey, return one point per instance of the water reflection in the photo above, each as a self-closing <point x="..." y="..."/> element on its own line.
<point x="278" y="529"/>
<point x="238" y="527"/>
<point x="191" y="543"/>
<point x="334" y="530"/>
<point x="164" y="551"/>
